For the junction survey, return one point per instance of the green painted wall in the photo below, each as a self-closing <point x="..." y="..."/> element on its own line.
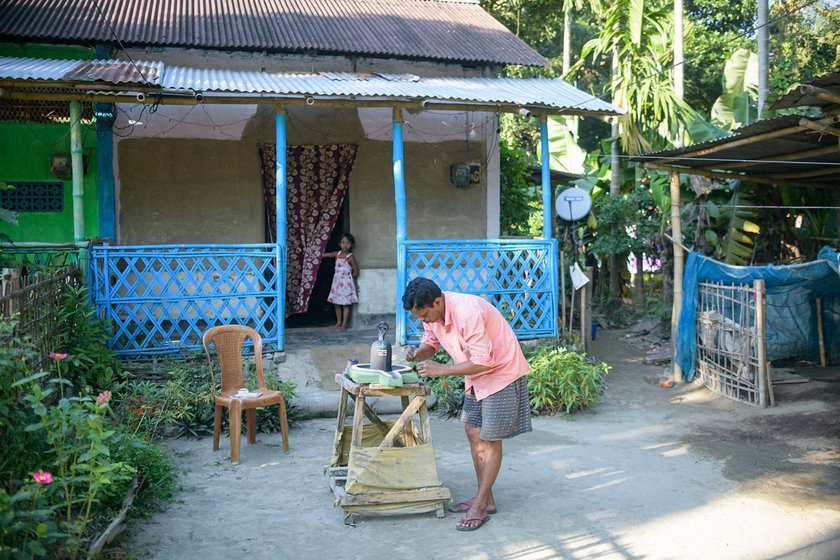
<point x="25" y="149"/>
<point x="47" y="51"/>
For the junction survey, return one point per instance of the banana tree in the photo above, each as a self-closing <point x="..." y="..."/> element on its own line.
<point x="737" y="105"/>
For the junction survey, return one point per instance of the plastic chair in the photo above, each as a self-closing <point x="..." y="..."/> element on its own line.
<point x="229" y="340"/>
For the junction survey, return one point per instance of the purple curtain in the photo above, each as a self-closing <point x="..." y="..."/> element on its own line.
<point x="317" y="178"/>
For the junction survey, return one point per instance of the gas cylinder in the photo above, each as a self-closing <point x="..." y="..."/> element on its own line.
<point x="380" y="351"/>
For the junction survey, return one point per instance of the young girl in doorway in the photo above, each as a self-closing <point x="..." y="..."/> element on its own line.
<point x="343" y="291"/>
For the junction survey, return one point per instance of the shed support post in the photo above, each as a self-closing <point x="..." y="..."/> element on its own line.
<point x="398" y="162"/>
<point x="679" y="262"/>
<point x="546" y="177"/>
<point x="77" y="167"/>
<point x="280" y="221"/>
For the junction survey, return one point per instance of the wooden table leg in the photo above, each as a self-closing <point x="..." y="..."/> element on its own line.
<point x="339" y="428"/>
<point x="425" y="428"/>
<point x="358" y="420"/>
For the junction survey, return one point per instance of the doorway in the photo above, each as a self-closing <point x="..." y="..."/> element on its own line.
<point x="320" y="312"/>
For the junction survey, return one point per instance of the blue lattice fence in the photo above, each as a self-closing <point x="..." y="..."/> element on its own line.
<point x="161" y="299"/>
<point x="518" y="276"/>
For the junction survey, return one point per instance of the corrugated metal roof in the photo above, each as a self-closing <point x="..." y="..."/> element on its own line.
<point x="538" y="92"/>
<point x="110" y="71"/>
<point x="785" y="150"/>
<point x="414" y="29"/>
<point x="803" y="96"/>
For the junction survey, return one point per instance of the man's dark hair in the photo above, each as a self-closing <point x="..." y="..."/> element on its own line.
<point x="420" y="293"/>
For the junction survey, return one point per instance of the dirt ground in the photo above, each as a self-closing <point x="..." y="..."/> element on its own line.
<point x="650" y="473"/>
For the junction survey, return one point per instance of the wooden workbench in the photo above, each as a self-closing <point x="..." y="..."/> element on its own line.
<point x="359" y="441"/>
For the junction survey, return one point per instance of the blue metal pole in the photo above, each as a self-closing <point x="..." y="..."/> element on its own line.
<point x="399" y="174"/>
<point x="548" y="208"/>
<point x="280" y="222"/>
<point x="399" y="203"/>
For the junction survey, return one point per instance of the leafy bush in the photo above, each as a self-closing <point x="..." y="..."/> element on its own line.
<point x="187" y="398"/>
<point x="91" y="366"/>
<point x="67" y="460"/>
<point x="563" y="380"/>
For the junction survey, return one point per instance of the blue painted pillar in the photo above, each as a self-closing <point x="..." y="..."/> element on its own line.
<point x="280" y="221"/>
<point x="105" y="170"/>
<point x="104" y="113"/>
<point x="399" y="203"/>
<point x="548" y="207"/>
<point x="399" y="174"/>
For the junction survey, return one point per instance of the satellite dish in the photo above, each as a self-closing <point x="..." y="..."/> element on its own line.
<point x="573" y="204"/>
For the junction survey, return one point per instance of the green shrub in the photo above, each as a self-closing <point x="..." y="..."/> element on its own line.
<point x="188" y="395"/>
<point x="67" y="460"/>
<point x="91" y="365"/>
<point x="563" y="380"/>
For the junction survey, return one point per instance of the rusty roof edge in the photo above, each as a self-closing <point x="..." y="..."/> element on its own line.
<point x="463" y="92"/>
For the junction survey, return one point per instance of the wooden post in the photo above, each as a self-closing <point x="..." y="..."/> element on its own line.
<point x="764" y="385"/>
<point x="563" y="288"/>
<point x="820" y="335"/>
<point x="587" y="323"/>
<point x="679" y="260"/>
<point x="583" y="317"/>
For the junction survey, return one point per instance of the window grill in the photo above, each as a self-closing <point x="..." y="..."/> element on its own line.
<point x="33" y="197"/>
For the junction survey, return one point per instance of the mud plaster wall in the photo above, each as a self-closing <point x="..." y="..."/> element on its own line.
<point x="209" y="191"/>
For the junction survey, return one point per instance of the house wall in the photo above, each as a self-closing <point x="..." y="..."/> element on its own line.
<point x="25" y="150"/>
<point x="201" y="182"/>
<point x="189" y="190"/>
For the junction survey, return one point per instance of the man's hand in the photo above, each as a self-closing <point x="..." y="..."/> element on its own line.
<point x="429" y="368"/>
<point x="410" y="352"/>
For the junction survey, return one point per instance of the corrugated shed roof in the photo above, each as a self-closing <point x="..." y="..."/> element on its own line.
<point x="785" y="150"/>
<point x="414" y="29"/>
<point x="553" y="94"/>
<point x="805" y="95"/>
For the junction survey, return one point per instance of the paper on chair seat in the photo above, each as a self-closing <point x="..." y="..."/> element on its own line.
<point x="250" y="395"/>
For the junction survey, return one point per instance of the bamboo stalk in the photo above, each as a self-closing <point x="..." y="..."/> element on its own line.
<point x="820" y="335"/>
<point x="765" y="387"/>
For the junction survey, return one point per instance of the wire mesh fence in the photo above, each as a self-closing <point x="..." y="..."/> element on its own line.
<point x="731" y="358"/>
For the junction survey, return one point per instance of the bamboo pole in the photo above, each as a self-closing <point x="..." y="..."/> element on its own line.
<point x="735" y="143"/>
<point x="679" y="260"/>
<point x="563" y="288"/>
<point x="764" y="179"/>
<point x="820" y="93"/>
<point x="783" y="157"/>
<point x="587" y="322"/>
<point x="77" y="165"/>
<point x="822" y="126"/>
<point x="765" y="388"/>
<point x="820" y="334"/>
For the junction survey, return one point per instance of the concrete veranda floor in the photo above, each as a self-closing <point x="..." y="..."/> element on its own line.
<point x="649" y="473"/>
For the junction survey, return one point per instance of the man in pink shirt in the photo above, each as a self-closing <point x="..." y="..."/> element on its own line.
<point x="488" y="356"/>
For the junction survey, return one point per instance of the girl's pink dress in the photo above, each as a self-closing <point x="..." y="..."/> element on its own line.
<point x="343" y="291"/>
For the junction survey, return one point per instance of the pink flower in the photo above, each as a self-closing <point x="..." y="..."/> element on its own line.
<point x="42" y="477"/>
<point x="103" y="397"/>
<point x="58" y="356"/>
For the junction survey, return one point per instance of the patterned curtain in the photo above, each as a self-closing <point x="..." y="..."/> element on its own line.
<point x="317" y="179"/>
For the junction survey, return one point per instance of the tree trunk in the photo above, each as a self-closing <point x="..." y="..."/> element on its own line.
<point x="639" y="284"/>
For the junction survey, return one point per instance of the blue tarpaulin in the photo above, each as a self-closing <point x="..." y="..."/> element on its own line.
<point x="791" y="293"/>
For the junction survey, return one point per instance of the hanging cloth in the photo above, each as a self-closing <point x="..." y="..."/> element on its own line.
<point x="317" y="180"/>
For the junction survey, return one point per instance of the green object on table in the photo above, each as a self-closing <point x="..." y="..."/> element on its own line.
<point x="399" y="375"/>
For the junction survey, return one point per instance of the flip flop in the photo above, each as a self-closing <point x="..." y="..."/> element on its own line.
<point x="461" y="507"/>
<point x="461" y="527"/>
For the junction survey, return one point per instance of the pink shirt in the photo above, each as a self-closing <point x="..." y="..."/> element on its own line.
<point x="472" y="329"/>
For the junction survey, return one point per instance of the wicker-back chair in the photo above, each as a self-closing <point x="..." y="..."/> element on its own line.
<point x="229" y="340"/>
